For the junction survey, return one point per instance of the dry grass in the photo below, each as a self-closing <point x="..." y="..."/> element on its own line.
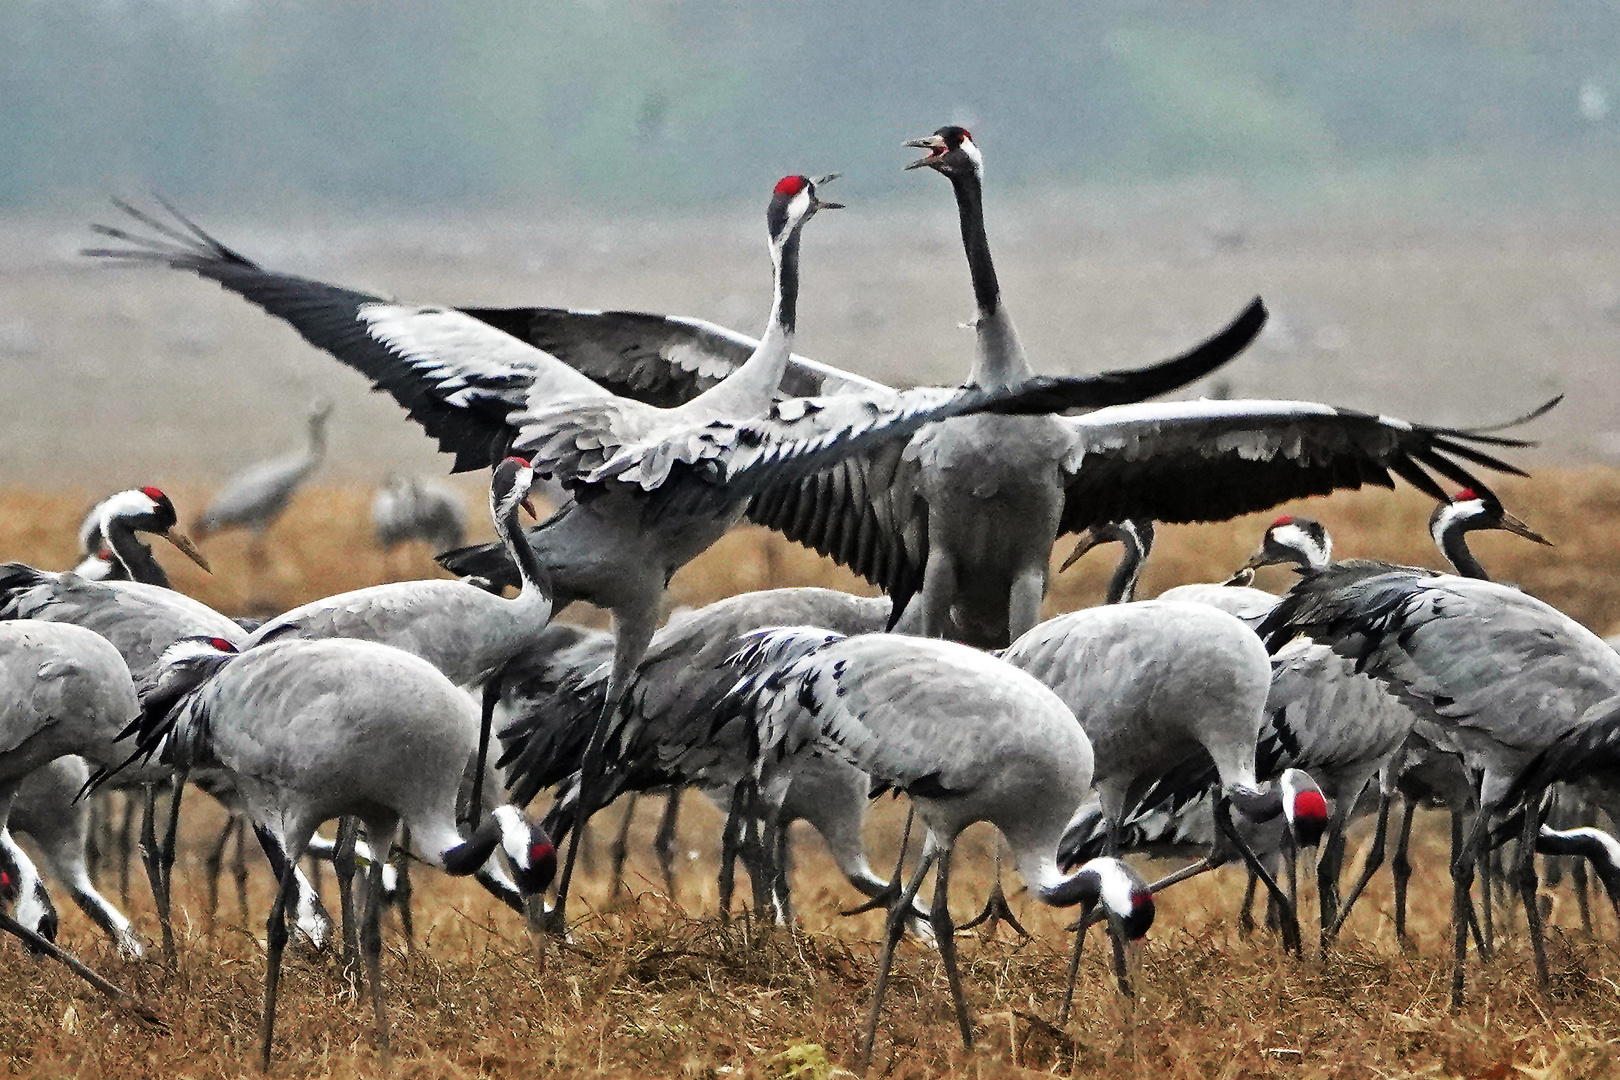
<point x="653" y="986"/>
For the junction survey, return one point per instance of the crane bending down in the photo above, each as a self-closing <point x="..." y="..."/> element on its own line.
<point x="314" y="730"/>
<point x="968" y="737"/>
<point x="1495" y="677"/>
<point x="652" y="487"/>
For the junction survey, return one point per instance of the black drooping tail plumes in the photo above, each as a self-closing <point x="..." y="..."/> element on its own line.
<point x="175" y="706"/>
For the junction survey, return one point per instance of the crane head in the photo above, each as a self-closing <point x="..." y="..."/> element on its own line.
<point x="509" y="487"/>
<point x="951" y="150"/>
<point x="149" y="510"/>
<point x="1123" y="895"/>
<point x="1470" y="510"/>
<point x="529" y="849"/>
<point x="1297" y="540"/>
<point x="794" y="201"/>
<point x="1304" y="806"/>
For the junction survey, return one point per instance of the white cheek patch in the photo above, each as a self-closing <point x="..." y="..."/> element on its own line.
<point x="1295" y="538"/>
<point x="1118" y="887"/>
<point x="1449" y="517"/>
<point x="514" y="834"/>
<point x="971" y="149"/>
<point x="799" y="205"/>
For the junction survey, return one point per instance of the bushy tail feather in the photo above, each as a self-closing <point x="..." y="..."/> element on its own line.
<point x="15" y="579"/>
<point x="174" y="718"/>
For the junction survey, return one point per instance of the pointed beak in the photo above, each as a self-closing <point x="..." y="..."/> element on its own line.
<point x="528" y="505"/>
<point x="936" y="150"/>
<point x="183" y="542"/>
<point x="1243" y="577"/>
<point x="1087" y="541"/>
<point x="1256" y="561"/>
<point x="818" y="203"/>
<point x="1511" y="524"/>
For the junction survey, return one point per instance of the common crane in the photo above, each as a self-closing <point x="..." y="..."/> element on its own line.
<point x="652" y="487"/>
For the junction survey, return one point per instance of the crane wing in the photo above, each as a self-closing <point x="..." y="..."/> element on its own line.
<point x="663" y="360"/>
<point x="457" y="376"/>
<point x="1211" y="460"/>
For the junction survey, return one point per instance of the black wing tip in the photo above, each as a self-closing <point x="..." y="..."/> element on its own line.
<point x="183" y="245"/>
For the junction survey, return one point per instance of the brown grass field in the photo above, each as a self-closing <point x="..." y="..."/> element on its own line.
<point x="654" y="985"/>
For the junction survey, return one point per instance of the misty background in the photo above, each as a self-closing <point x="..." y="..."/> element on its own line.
<point x="1424" y="193"/>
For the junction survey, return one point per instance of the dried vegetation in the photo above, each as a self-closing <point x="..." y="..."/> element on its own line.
<point x="653" y="985"/>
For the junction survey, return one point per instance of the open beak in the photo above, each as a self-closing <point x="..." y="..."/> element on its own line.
<point x="818" y="204"/>
<point x="183" y="542"/>
<point x="1087" y="541"/>
<point x="1511" y="524"/>
<point x="936" y="150"/>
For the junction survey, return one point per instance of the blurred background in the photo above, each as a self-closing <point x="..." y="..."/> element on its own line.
<point x="1423" y="193"/>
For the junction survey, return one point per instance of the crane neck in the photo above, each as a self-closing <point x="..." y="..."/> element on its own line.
<point x="1452" y="537"/>
<point x="748" y="391"/>
<point x="131" y="554"/>
<point x="1122" y="586"/>
<point x="535" y="579"/>
<point x="1000" y="360"/>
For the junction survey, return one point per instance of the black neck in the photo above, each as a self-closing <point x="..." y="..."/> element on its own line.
<point x="970" y="207"/>
<point x="1122" y="587"/>
<point x="517" y="545"/>
<point x="135" y="557"/>
<point x="1085" y="887"/>
<point x="1454" y="546"/>
<point x="471" y="854"/>
<point x="787" y="283"/>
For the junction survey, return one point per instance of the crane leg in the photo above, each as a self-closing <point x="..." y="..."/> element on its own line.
<point x="621" y="844"/>
<point x="402" y="888"/>
<point x="1369" y="866"/>
<point x="782" y="871"/>
<point x="1464" y="858"/>
<point x="486" y="719"/>
<point x="1080" y="928"/>
<point x="125" y="846"/>
<point x="1525" y="872"/>
<point x="1246" y="909"/>
<point x="275" y="939"/>
<point x="371" y="942"/>
<point x="213" y="867"/>
<point x="1579" y="881"/>
<point x="239" y="870"/>
<point x="1487" y="905"/>
<point x="664" y="841"/>
<point x="996" y="909"/>
<point x="1287" y="919"/>
<point x="1400" y="868"/>
<point x="939" y="918"/>
<point x="153" y="859"/>
<point x="344" y="868"/>
<point x="730" y="841"/>
<point x="633" y="627"/>
<point x="893" y="931"/>
<point x="885" y="897"/>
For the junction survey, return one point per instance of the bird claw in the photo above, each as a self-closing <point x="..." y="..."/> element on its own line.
<point x="996" y="911"/>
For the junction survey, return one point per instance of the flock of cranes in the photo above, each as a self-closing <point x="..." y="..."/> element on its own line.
<point x="1134" y="726"/>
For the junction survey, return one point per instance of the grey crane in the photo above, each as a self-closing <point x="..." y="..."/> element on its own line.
<point x="1495" y="676"/>
<point x="314" y="730"/>
<point x="888" y="515"/>
<point x="666" y="729"/>
<point x="45" y="807"/>
<point x="968" y="737"/>
<point x="141" y="621"/>
<point x="255" y="497"/>
<point x="410" y="508"/>
<point x="652" y="487"/>
<point x="1155" y="682"/>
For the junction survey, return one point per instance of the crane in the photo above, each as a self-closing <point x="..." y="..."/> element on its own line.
<point x="652" y="487"/>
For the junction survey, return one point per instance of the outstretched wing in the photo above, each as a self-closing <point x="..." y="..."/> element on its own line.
<point x="457" y="376"/>
<point x="1212" y="460"/>
<point x="663" y="360"/>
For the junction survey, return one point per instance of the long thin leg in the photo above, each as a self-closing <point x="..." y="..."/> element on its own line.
<point x="1246" y="909"/>
<point x="1287" y="920"/>
<point x="344" y="868"/>
<point x="621" y="844"/>
<point x="893" y="931"/>
<point x="1526" y="875"/>
<point x="213" y="864"/>
<point x="153" y="859"/>
<point x="1122" y="974"/>
<point x="1400" y="868"/>
<point x="730" y="842"/>
<point x="633" y="629"/>
<point x="39" y="944"/>
<point x="486" y="720"/>
<point x="402" y="888"/>
<point x="1579" y="881"/>
<point x="664" y="841"/>
<point x="886" y="897"/>
<point x="275" y="938"/>
<point x="125" y="847"/>
<point x="371" y="944"/>
<point x="1462" y="879"/>
<point x="1080" y="929"/>
<point x="1487" y="906"/>
<point x="939" y="918"/>
<point x="1369" y="866"/>
<point x="1467" y="900"/>
<point x="239" y="869"/>
<point x="782" y="871"/>
<point x="996" y="909"/>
